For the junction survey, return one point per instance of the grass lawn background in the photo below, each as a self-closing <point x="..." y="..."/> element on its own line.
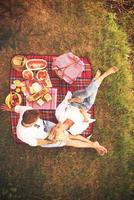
<point x="87" y="28"/>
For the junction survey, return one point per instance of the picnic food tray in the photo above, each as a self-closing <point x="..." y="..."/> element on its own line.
<point x="62" y="88"/>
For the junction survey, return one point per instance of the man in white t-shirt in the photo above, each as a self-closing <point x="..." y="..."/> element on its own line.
<point x="34" y="131"/>
<point x="30" y="128"/>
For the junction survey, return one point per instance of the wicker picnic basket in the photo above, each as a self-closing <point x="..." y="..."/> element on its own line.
<point x="18" y="62"/>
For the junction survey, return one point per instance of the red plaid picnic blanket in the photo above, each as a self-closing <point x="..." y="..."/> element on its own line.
<point x="62" y="88"/>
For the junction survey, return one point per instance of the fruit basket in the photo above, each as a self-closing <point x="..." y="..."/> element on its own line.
<point x="13" y="99"/>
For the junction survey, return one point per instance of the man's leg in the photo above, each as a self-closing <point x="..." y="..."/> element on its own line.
<point x="78" y="137"/>
<point x="55" y="145"/>
<point x="86" y="144"/>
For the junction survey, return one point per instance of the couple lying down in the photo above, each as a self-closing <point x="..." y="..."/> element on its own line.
<point x="72" y="118"/>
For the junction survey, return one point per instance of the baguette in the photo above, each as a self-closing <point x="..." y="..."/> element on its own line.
<point x="38" y="95"/>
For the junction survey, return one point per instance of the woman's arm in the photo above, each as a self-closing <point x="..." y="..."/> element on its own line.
<point x="60" y="127"/>
<point x="4" y="107"/>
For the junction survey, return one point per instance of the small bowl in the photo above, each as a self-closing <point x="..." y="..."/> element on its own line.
<point x="42" y="75"/>
<point x="28" y="74"/>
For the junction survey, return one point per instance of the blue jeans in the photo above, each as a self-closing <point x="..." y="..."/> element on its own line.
<point x="47" y="127"/>
<point x="88" y="95"/>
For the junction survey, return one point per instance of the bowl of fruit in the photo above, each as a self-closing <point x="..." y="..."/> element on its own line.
<point x="36" y="64"/>
<point x="42" y="75"/>
<point x="13" y="99"/>
<point x="28" y="74"/>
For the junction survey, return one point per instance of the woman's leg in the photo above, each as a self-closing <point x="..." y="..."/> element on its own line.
<point x="88" y="95"/>
<point x="97" y="80"/>
<point x="110" y="71"/>
<point x="84" y="93"/>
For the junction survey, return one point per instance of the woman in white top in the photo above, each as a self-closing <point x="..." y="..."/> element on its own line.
<point x="73" y="109"/>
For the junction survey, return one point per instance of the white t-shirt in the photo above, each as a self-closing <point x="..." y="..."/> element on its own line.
<point x="66" y="111"/>
<point x="29" y="135"/>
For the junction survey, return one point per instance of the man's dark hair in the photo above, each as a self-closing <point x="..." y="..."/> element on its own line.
<point x="30" y="116"/>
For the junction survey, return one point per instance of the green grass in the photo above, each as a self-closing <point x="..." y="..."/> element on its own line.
<point x="86" y="29"/>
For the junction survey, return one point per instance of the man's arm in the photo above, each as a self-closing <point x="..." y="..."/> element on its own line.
<point x="41" y="142"/>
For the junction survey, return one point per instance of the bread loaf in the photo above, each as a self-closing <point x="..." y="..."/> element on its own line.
<point x="47" y="97"/>
<point x="38" y="95"/>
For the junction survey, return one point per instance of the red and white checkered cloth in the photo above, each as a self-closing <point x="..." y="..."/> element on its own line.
<point x="62" y="88"/>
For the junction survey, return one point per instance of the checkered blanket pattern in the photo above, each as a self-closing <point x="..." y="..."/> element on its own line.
<point x="62" y="88"/>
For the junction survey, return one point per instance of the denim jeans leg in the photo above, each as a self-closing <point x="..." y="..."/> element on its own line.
<point x="88" y="102"/>
<point x="84" y="93"/>
<point x="88" y="94"/>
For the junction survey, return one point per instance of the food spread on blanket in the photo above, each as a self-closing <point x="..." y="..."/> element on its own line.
<point x="41" y="75"/>
<point x="28" y="74"/>
<point x="13" y="99"/>
<point x="35" y="86"/>
<point x="18" y="62"/>
<point x="36" y="64"/>
<point x="18" y="86"/>
<point x="37" y="81"/>
<point x="36" y="96"/>
<point x="36" y="71"/>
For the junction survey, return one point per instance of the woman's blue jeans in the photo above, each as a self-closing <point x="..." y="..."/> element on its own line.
<point x="88" y="95"/>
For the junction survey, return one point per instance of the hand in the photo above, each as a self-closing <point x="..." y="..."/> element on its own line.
<point x="51" y="135"/>
<point x="4" y="107"/>
<point x="100" y="149"/>
<point x="75" y="100"/>
<point x="57" y="129"/>
<point x="41" y="142"/>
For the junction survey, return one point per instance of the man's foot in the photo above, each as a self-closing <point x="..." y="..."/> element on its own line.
<point x="100" y="149"/>
<point x="112" y="70"/>
<point x="75" y="100"/>
<point x="97" y="75"/>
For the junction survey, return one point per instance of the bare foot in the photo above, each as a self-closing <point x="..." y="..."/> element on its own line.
<point x="112" y="70"/>
<point x="97" y="75"/>
<point x="75" y="100"/>
<point x="100" y="149"/>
